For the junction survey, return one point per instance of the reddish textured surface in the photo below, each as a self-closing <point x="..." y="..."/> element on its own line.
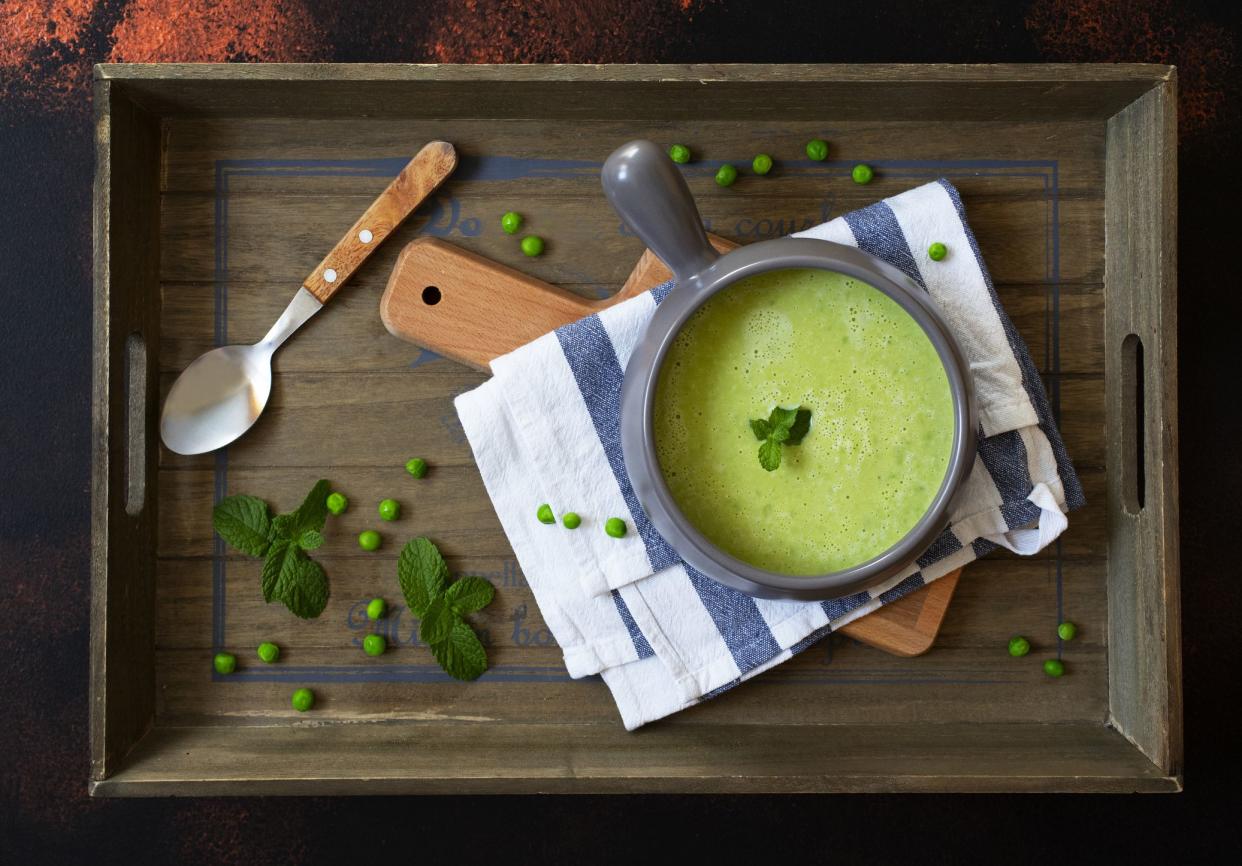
<point x="160" y="31"/>
<point x="1151" y="31"/>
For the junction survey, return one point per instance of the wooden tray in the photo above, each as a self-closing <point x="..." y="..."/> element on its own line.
<point x="218" y="187"/>
<point x="464" y="327"/>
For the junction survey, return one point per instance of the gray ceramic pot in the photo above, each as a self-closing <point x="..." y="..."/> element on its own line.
<point x="650" y="194"/>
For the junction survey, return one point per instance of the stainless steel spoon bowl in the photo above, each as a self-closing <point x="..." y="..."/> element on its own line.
<point x="650" y="194"/>
<point x="221" y="394"/>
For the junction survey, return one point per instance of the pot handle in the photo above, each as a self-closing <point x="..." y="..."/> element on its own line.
<point x="647" y="189"/>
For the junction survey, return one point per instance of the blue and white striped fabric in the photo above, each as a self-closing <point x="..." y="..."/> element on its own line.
<point x="662" y="635"/>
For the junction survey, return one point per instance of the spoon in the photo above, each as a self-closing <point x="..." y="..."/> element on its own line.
<point x="221" y="394"/>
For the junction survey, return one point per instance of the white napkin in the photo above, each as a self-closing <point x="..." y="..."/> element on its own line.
<point x="662" y="635"/>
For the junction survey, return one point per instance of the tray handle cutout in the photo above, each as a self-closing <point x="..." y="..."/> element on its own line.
<point x="1133" y="426"/>
<point x="135" y="424"/>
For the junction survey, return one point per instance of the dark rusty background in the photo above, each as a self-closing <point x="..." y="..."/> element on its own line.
<point x="46" y="156"/>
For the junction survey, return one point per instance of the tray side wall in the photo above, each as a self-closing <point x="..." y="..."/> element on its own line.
<point x="124" y="446"/>
<point x="1141" y="299"/>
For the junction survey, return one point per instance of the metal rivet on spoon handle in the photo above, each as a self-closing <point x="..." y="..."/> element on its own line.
<point x="220" y="395"/>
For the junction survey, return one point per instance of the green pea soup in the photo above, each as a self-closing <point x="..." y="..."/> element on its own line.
<point x="881" y="421"/>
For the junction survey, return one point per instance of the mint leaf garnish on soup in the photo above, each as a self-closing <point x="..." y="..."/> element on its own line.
<point x="289" y="575"/>
<point x="782" y="426"/>
<point x="440" y="605"/>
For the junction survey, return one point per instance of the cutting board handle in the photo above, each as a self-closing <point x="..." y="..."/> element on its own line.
<point x="472" y="310"/>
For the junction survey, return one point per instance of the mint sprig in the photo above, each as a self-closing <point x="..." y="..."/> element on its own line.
<point x="781" y="427"/>
<point x="440" y="605"/>
<point x="289" y="575"/>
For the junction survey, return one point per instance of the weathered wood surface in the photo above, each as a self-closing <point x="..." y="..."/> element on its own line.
<point x="1145" y="618"/>
<point x="410" y="758"/>
<point x="965" y="716"/>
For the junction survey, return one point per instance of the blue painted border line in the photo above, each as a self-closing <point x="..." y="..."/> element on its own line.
<point x="515" y="168"/>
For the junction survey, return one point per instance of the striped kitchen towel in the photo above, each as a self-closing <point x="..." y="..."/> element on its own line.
<point x="662" y="635"/>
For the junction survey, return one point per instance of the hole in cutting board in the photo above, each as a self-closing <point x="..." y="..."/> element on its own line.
<point x="431" y="296"/>
<point x="1133" y="424"/>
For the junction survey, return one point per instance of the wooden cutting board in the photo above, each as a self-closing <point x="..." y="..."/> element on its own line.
<point x="471" y="310"/>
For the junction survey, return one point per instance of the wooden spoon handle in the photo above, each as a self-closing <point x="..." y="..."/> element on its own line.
<point x="471" y="309"/>
<point x="424" y="173"/>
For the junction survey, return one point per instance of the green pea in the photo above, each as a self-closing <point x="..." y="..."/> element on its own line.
<point x="762" y="164"/>
<point x="726" y="175"/>
<point x="268" y="651"/>
<point x="545" y="514"/>
<point x="615" y="527"/>
<point x="337" y="503"/>
<point x="532" y="245"/>
<point x="225" y="663"/>
<point x="511" y="222"/>
<point x="374" y="644"/>
<point x="862" y="173"/>
<point x="377" y="608"/>
<point x="389" y="509"/>
<point x="1054" y="667"/>
<point x="416" y="466"/>
<point x="937" y="251"/>
<point x="369" y="539"/>
<point x="817" y="149"/>
<point x="303" y="700"/>
<point x="1019" y="646"/>
<point x="571" y="520"/>
<point x="679" y="153"/>
<point x="1067" y="630"/>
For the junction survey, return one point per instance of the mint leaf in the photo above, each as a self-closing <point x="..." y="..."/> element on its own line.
<point x="778" y="434"/>
<point x="311" y="514"/>
<point x="782" y="418"/>
<point x="468" y="594"/>
<point x="292" y="578"/>
<point x="422" y="573"/>
<point x="305" y="590"/>
<point x="799" y="428"/>
<point x="761" y="428"/>
<point x="310" y="539"/>
<point x="244" y="522"/>
<point x="770" y="455"/>
<point x="461" y="655"/>
<point x="280" y="556"/>
<point x="437" y="622"/>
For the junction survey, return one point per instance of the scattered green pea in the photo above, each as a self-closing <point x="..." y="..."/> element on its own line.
<point x="532" y="245"/>
<point x="937" y="251"/>
<point x="571" y="520"/>
<point x="1019" y="646"/>
<point x="369" y="539"/>
<point x="545" y="514"/>
<point x="862" y="173"/>
<point x="416" y="466"/>
<point x="726" y="175"/>
<point x="268" y="651"/>
<point x="337" y="503"/>
<point x="1067" y="630"/>
<point x="762" y="164"/>
<point x="303" y="700"/>
<point x="1054" y="667"/>
<point x="389" y="509"/>
<point x="679" y="153"/>
<point x="376" y="608"/>
<point x="374" y="644"/>
<point x="817" y="149"/>
<point x="615" y="527"/>
<point x="511" y="222"/>
<point x="225" y="663"/>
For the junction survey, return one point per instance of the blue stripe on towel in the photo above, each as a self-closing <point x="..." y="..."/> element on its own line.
<point x="737" y="618"/>
<point x="1030" y="376"/>
<point x="945" y="544"/>
<point x="593" y="361"/>
<point x="877" y="231"/>
<point x="1004" y="456"/>
<point x="641" y="646"/>
<point x="835" y="608"/>
<point x="907" y="586"/>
